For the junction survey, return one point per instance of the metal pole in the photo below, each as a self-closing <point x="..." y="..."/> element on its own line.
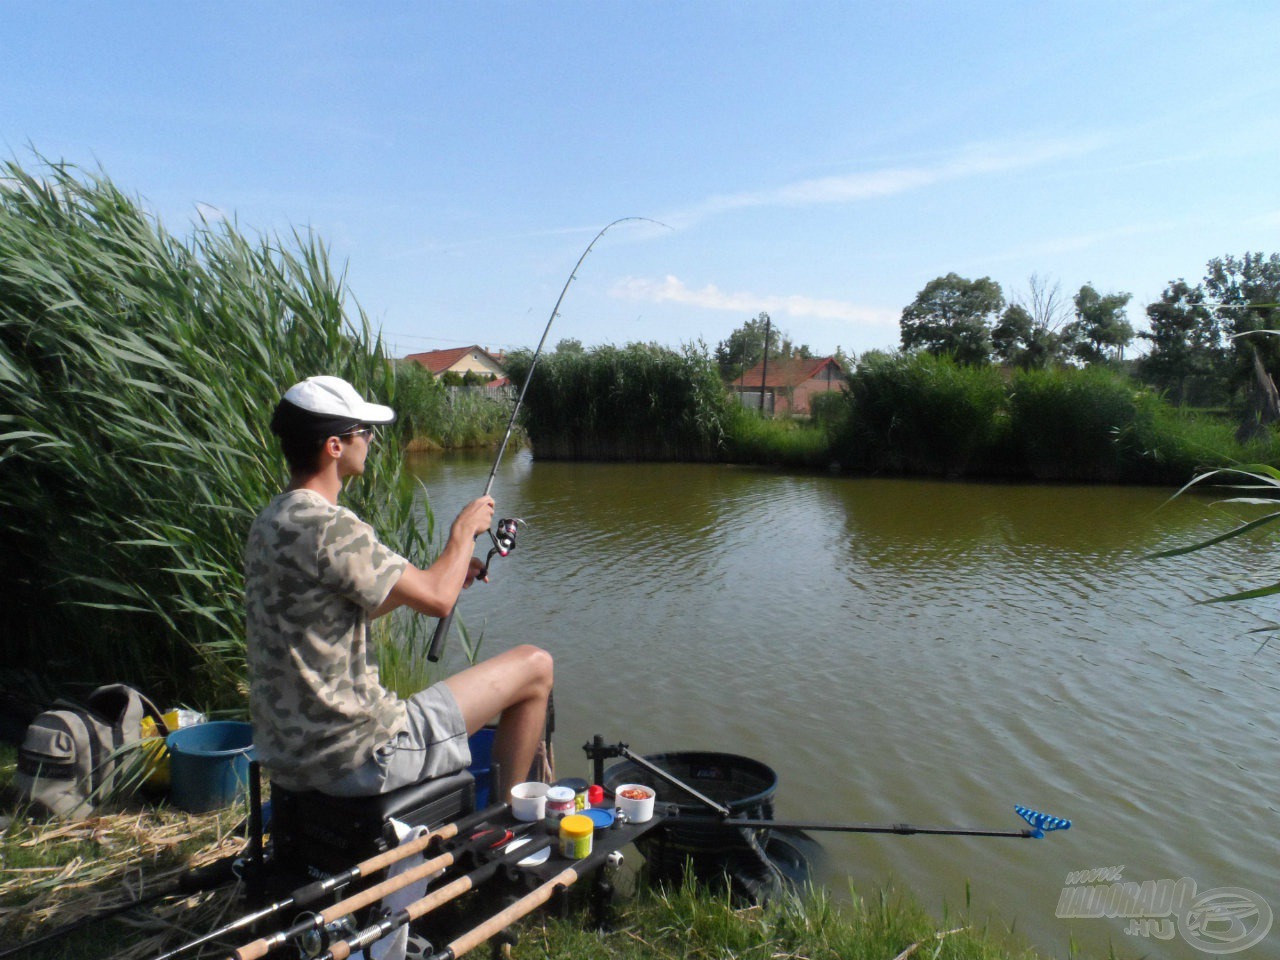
<point x="764" y="370"/>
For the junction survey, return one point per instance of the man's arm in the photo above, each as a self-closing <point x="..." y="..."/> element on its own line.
<point x="434" y="591"/>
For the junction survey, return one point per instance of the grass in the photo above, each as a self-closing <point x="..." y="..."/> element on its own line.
<point x="692" y="921"/>
<point x="751" y="438"/>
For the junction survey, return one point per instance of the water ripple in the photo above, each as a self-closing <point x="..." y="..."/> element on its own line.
<point x="910" y="651"/>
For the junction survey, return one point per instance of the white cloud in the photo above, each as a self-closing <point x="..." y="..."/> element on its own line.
<point x="971" y="161"/>
<point x="710" y="297"/>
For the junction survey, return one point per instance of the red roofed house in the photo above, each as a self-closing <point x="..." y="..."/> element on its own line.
<point x="460" y="360"/>
<point x="788" y="384"/>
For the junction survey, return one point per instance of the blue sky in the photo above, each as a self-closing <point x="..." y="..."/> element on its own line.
<point x="819" y="161"/>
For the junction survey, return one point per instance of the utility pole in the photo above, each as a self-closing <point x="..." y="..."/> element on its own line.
<point x="764" y="370"/>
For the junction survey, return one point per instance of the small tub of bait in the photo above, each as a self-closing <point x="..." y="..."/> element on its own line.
<point x="635" y="802"/>
<point x="529" y="800"/>
<point x="602" y="818"/>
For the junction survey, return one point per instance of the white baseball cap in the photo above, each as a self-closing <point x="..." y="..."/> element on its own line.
<point x="334" y="397"/>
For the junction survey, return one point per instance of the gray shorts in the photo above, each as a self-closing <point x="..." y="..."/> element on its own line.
<point x="433" y="744"/>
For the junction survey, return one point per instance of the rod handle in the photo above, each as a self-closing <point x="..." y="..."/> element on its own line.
<point x="438" y="638"/>
<point x="504" y="918"/>
<point x="253" y="951"/>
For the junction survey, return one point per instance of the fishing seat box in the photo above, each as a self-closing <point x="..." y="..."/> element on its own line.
<point x="315" y="835"/>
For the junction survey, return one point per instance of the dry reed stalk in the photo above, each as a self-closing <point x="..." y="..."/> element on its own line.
<point x="132" y="844"/>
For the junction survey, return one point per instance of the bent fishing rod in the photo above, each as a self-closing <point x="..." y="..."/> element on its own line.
<point x="504" y="540"/>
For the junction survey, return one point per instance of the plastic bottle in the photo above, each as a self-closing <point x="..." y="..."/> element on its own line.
<point x="575" y="836"/>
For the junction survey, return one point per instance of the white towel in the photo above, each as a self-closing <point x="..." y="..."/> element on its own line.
<point x="394" y="944"/>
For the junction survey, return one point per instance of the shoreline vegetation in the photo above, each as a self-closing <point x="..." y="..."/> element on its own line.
<point x="137" y="372"/>
<point x="910" y="414"/>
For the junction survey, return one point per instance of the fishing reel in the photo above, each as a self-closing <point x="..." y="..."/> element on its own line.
<point x="504" y="538"/>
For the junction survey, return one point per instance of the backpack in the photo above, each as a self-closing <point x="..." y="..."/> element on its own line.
<point x="73" y="758"/>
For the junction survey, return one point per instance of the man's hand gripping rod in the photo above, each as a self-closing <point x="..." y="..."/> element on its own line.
<point x="442" y="628"/>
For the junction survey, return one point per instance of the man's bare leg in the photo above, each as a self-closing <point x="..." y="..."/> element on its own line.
<point x="514" y="686"/>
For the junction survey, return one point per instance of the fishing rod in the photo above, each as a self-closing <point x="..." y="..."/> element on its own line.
<point x="1040" y="823"/>
<point x="521" y="908"/>
<point x="311" y="892"/>
<point x="491" y="839"/>
<point x="504" y="540"/>
<point x="420" y="908"/>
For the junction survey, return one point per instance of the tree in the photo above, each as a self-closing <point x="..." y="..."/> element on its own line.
<point x="1246" y="294"/>
<point x="1011" y="335"/>
<point x="570" y="346"/>
<point x="1101" y="330"/>
<point x="744" y="347"/>
<point x="954" y="316"/>
<point x="1030" y="333"/>
<point x="1188" y="355"/>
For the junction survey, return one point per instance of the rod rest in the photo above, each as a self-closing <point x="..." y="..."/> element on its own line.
<point x="316" y="835"/>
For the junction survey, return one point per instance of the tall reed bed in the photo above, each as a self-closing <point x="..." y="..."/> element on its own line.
<point x="926" y="415"/>
<point x="431" y="415"/>
<point x="138" y="372"/>
<point x="638" y="402"/>
<point x="921" y="414"/>
<point x="1074" y="424"/>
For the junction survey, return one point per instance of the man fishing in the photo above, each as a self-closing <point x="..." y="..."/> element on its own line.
<point x="316" y="575"/>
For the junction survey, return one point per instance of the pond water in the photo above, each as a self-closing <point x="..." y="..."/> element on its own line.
<point x="917" y="652"/>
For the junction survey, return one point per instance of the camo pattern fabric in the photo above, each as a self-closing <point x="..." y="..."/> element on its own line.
<point x="313" y="574"/>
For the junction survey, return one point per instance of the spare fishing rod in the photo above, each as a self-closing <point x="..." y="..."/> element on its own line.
<point x="421" y="907"/>
<point x="504" y="540"/>
<point x="531" y="901"/>
<point x="311" y="892"/>
<point x="491" y="839"/>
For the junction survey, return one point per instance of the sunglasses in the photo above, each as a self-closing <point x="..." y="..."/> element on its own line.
<point x="366" y="432"/>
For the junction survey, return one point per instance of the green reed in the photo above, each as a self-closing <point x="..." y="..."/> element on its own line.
<point x="638" y="402"/>
<point x="432" y="415"/>
<point x="1070" y="424"/>
<point x="921" y="414"/>
<point x="138" y="372"/>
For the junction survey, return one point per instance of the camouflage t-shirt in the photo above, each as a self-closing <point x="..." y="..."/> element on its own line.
<point x="313" y="574"/>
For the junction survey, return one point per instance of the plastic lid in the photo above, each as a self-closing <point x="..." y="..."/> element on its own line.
<point x="560" y="793"/>
<point x="577" y="826"/>
<point x="595" y="794"/>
